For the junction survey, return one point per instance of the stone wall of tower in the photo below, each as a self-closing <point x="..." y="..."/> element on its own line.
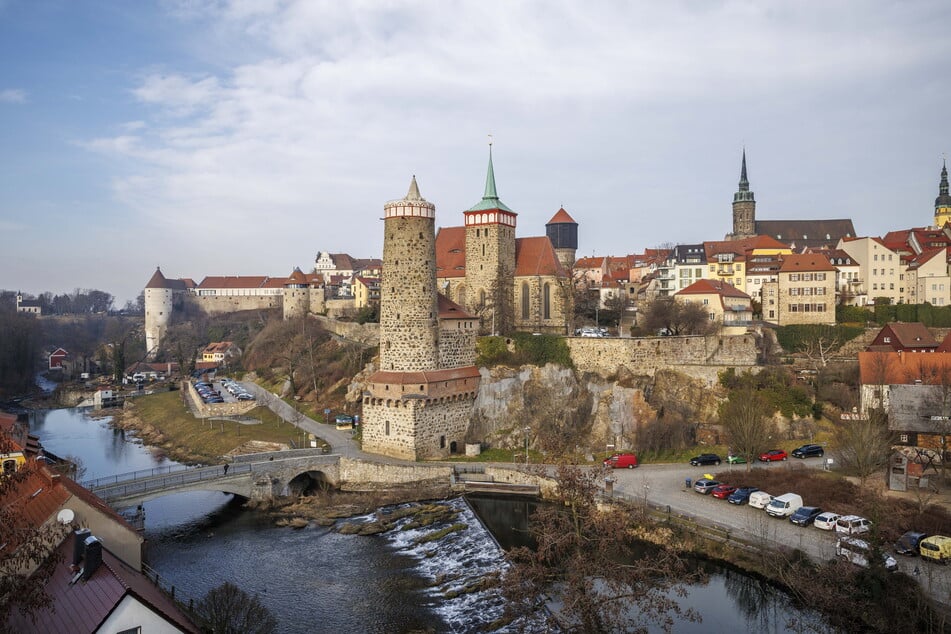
<point x="159" y="303"/>
<point x="490" y="269"/>
<point x="567" y="258"/>
<point x="296" y="301"/>
<point x="409" y="329"/>
<point x="457" y="342"/>
<point x="744" y="218"/>
<point x="414" y="429"/>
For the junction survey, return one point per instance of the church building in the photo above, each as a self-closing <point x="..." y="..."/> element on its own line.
<point x="512" y="284"/>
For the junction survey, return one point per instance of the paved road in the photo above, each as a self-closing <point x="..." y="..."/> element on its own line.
<point x="664" y="485"/>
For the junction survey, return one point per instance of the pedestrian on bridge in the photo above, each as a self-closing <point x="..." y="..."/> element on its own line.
<point x="226" y="468"/>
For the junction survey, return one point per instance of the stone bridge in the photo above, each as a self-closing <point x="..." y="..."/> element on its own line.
<point x="253" y="476"/>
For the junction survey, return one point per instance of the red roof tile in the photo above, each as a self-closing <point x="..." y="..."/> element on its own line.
<point x="712" y="287"/>
<point x="422" y="378"/>
<point x="233" y="281"/>
<point x="451" y="252"/>
<point x="904" y="368"/>
<point x="805" y="262"/>
<point x="561" y="217"/>
<point x="449" y="309"/>
<point x="536" y="256"/>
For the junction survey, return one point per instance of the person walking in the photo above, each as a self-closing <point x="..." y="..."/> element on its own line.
<point x="226" y="468"/>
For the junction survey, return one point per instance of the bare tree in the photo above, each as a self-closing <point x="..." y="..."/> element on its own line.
<point x="864" y="443"/>
<point x="745" y="417"/>
<point x="587" y="559"/>
<point x="228" y="608"/>
<point x="677" y="318"/>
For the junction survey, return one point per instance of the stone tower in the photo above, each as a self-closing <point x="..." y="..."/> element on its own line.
<point x="942" y="204"/>
<point x="417" y="406"/>
<point x="159" y="302"/>
<point x="409" y="330"/>
<point x="296" y="295"/>
<point x="562" y="230"/>
<point x="744" y="207"/>
<point x="490" y="259"/>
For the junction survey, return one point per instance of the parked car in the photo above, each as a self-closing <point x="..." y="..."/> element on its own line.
<point x="760" y="499"/>
<point x="244" y="396"/>
<point x="852" y="525"/>
<point x="784" y="505"/>
<point x="857" y="551"/>
<point x="741" y="495"/>
<point x="909" y="543"/>
<point x="618" y="460"/>
<point x="826" y="521"/>
<point x="936" y="548"/>
<point x="805" y="515"/>
<point x="704" y="486"/>
<point x="735" y="459"/>
<point x="773" y="455"/>
<point x="808" y="451"/>
<point x="723" y="491"/>
<point x="705" y="459"/>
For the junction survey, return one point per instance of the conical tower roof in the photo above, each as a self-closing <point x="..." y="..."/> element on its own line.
<point x="490" y="199"/>
<point x="158" y="280"/>
<point x="561" y="217"/>
<point x="296" y="277"/>
<point x="743" y="192"/>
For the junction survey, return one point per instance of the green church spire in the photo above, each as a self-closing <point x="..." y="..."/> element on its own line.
<point x="490" y="199"/>
<point x="743" y="192"/>
<point x="943" y="200"/>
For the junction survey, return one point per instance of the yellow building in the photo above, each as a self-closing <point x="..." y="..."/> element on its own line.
<point x="725" y="305"/>
<point x="11" y="456"/>
<point x="366" y="291"/>
<point x="727" y="260"/>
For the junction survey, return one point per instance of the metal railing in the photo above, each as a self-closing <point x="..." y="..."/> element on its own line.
<point x="133" y="475"/>
<point x="171" y="481"/>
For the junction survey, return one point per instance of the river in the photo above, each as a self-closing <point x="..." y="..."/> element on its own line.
<point x="316" y="580"/>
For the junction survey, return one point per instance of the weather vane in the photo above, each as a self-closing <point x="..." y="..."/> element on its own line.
<point x="490" y="140"/>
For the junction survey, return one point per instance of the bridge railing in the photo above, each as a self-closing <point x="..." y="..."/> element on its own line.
<point x="134" y="475"/>
<point x="158" y="483"/>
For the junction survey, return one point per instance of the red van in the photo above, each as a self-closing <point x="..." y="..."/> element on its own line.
<point x="621" y="460"/>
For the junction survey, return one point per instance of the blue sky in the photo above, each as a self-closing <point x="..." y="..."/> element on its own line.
<point x="242" y="136"/>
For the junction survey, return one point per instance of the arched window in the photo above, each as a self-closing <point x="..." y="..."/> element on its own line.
<point x="525" y="299"/>
<point x="546" y="300"/>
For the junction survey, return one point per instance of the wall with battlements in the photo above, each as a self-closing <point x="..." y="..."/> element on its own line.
<point x="413" y="429"/>
<point x="213" y="305"/>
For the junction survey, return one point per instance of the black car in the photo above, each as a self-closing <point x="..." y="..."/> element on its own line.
<point x="705" y="458"/>
<point x="808" y="451"/>
<point x="741" y="495"/>
<point x="805" y="515"/>
<point x="909" y="543"/>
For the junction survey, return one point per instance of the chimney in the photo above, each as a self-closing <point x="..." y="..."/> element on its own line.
<point x="79" y="544"/>
<point x="93" y="557"/>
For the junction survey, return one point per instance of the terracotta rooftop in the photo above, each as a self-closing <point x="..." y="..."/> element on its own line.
<point x="449" y="309"/>
<point x="451" y="252"/>
<point x="912" y="334"/>
<point x="536" y="256"/>
<point x="805" y="262"/>
<point x="36" y="495"/>
<point x="158" y="280"/>
<point x="422" y="378"/>
<point x="712" y="287"/>
<point x="896" y="368"/>
<point x="589" y="263"/>
<point x="561" y="217"/>
<point x="235" y="281"/>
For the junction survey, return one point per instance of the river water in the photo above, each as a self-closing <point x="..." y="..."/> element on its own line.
<point x="316" y="580"/>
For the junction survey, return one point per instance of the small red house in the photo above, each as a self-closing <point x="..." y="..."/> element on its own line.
<point x="56" y="359"/>
<point x="904" y="337"/>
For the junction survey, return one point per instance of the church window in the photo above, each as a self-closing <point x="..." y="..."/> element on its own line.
<point x="547" y="301"/>
<point x="525" y="299"/>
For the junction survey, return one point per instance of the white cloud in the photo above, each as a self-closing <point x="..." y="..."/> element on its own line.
<point x="12" y="95"/>
<point x="603" y="105"/>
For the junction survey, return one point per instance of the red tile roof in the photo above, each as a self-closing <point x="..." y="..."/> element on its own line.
<point x="422" y="378"/>
<point x="536" y="256"/>
<point x="36" y="494"/>
<point x="589" y="263"/>
<point x="904" y="368"/>
<point x="805" y="262"/>
<point x="712" y="287"/>
<point x="233" y="281"/>
<point x="449" y="309"/>
<point x="560" y="217"/>
<point x="451" y="252"/>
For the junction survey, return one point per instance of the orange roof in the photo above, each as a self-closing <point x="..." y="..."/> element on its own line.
<point x="296" y="277"/>
<point x="449" y="309"/>
<point x="805" y="262"/>
<point x="451" y="252"/>
<point x="712" y="287"/>
<point x="536" y="256"/>
<point x="35" y="495"/>
<point x="561" y="217"/>
<point x="589" y="263"/>
<point x="422" y="378"/>
<point x="234" y="281"/>
<point x="904" y="368"/>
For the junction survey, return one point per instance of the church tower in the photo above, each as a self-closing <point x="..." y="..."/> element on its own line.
<point x="562" y="230"/>
<point x="744" y="207"/>
<point x="490" y="259"/>
<point x="942" y="204"/>
<point x="418" y="405"/>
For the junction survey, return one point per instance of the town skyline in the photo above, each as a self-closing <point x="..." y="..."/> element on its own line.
<point x="236" y="138"/>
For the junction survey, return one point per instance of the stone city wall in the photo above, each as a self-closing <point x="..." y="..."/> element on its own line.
<point x="213" y="304"/>
<point x="604" y="356"/>
<point x="338" y="307"/>
<point x="510" y="475"/>
<point x="367" y="334"/>
<point x="206" y="410"/>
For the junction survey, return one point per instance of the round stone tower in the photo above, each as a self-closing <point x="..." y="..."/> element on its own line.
<point x="296" y="295"/>
<point x="744" y="207"/>
<point x="409" y="327"/>
<point x="159" y="301"/>
<point x="562" y="231"/>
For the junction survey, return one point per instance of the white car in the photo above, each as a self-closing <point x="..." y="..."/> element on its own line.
<point x="826" y="521"/>
<point x="852" y="525"/>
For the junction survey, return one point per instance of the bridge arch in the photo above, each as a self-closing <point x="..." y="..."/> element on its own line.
<point x="308" y="483"/>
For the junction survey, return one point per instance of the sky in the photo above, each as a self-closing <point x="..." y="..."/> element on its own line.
<point x="241" y="137"/>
